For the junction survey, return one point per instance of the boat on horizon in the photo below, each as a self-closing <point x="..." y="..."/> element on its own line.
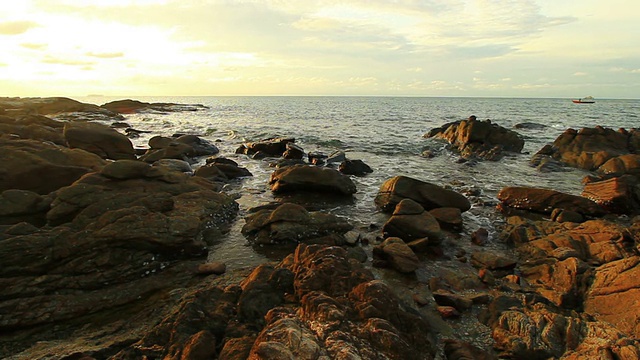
<point x="584" y="100"/>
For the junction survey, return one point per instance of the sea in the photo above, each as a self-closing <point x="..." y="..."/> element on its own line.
<point x="387" y="134"/>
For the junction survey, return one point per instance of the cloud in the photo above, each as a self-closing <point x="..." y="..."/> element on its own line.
<point x="71" y="62"/>
<point x="34" y="46"/>
<point x="105" y="55"/>
<point x="16" y="27"/>
<point x="580" y="73"/>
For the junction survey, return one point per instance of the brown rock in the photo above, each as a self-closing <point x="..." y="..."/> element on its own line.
<point x="544" y="201"/>
<point x="398" y="254"/>
<point x="616" y="194"/>
<point x="98" y="139"/>
<point x="429" y="196"/>
<point x="311" y="179"/>
<point x="215" y="267"/>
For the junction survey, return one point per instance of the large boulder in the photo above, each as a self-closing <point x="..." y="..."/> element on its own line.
<point x="42" y="167"/>
<point x="113" y="238"/>
<point x="591" y="148"/>
<point x="429" y="196"/>
<point x="98" y="139"/>
<point x="544" y="201"/>
<point x="309" y="178"/>
<point x="476" y="138"/>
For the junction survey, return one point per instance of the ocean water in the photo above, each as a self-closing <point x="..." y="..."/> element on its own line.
<point x="387" y="134"/>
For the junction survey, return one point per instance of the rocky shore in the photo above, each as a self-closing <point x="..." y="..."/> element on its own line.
<point x="103" y="249"/>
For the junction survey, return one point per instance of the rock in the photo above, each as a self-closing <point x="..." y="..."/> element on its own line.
<point x="410" y="222"/>
<point x="398" y="254"/>
<point x="126" y="169"/>
<point x="590" y="148"/>
<point x="174" y="164"/>
<point x="293" y="151"/>
<point x="17" y="206"/>
<point x="181" y="148"/>
<point x="449" y="218"/>
<point x="481" y="139"/>
<point x="98" y="139"/>
<point x="530" y="126"/>
<point x="42" y="167"/>
<point x="480" y="237"/>
<point x="538" y="332"/>
<point x="544" y="201"/>
<point x="53" y="106"/>
<point x="627" y="164"/>
<point x="292" y="223"/>
<point x="560" y="281"/>
<point x="448" y="312"/>
<point x="354" y="167"/>
<point x="560" y="215"/>
<point x="34" y="127"/>
<point x="460" y="350"/>
<point x="311" y="179"/>
<point x="215" y="267"/>
<point x="445" y="298"/>
<point x="129" y="106"/>
<point x="429" y="196"/>
<point x="596" y="241"/>
<point x="492" y="261"/>
<point x="616" y="195"/>
<point x="336" y="157"/>
<point x="614" y="294"/>
<point x="222" y="172"/>
<point x="274" y="147"/>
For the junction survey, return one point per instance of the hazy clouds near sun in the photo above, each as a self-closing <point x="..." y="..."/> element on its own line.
<point x="430" y="48"/>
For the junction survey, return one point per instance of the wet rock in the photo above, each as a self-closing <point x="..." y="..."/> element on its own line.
<point x="42" y="167"/>
<point x="98" y="139"/>
<point x="354" y="167"/>
<point x="215" y="267"/>
<point x="445" y="298"/>
<point x="274" y="147"/>
<point x="308" y="178"/>
<point x="544" y="201"/>
<point x="429" y="196"/>
<point x="398" y="254"/>
<point x="410" y="222"/>
<point x="480" y="237"/>
<point x="479" y="139"/>
<point x="291" y="223"/>
<point x="449" y="218"/>
<point x="222" y="172"/>
<point x="628" y="164"/>
<point x="182" y="148"/>
<point x="293" y="151"/>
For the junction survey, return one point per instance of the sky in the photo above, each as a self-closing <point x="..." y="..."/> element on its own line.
<point x="479" y="48"/>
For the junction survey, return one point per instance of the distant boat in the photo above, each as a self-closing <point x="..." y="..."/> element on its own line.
<point x="585" y="100"/>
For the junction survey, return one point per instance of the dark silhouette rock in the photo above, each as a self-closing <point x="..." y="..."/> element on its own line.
<point x="354" y="167"/>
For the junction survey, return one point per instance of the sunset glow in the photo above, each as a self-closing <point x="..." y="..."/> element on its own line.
<point x="529" y="48"/>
